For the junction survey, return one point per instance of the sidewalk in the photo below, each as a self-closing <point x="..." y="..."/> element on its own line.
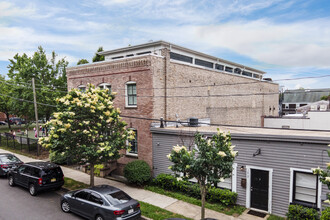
<point x="165" y="202"/>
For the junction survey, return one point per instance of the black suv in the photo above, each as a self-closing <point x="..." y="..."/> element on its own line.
<point x="37" y="176"/>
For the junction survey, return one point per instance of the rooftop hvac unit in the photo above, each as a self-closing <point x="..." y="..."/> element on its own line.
<point x="193" y="122"/>
<point x="313" y="107"/>
<point x="323" y="107"/>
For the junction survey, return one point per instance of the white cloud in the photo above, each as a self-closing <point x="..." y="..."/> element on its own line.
<point x="8" y="9"/>
<point x="305" y="43"/>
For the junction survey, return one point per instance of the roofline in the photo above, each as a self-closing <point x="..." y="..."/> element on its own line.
<point x="250" y="136"/>
<point x="170" y="45"/>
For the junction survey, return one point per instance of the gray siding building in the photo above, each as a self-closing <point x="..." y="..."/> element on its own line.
<point x="272" y="169"/>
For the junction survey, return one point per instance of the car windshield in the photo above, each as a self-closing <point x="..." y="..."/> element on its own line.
<point x="118" y="197"/>
<point x="9" y="159"/>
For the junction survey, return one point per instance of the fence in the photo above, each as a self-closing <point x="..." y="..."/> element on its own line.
<point x="24" y="144"/>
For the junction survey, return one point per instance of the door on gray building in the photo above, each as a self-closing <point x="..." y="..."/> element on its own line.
<point x="259" y="189"/>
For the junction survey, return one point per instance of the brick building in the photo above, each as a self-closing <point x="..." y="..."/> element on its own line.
<point x="160" y="79"/>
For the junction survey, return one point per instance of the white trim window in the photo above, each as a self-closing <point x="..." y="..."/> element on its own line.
<point x="131" y="98"/>
<point x="134" y="145"/>
<point x="230" y="183"/>
<point x="105" y="86"/>
<point x="305" y="188"/>
<point x="82" y="88"/>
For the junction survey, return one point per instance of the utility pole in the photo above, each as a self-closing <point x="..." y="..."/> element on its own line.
<point x="35" y="111"/>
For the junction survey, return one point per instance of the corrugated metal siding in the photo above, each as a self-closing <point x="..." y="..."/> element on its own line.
<point x="280" y="156"/>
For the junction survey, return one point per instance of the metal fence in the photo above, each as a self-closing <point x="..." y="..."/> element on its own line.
<point x="24" y="144"/>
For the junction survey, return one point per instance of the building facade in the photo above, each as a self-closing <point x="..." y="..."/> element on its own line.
<point x="293" y="99"/>
<point x="160" y="79"/>
<point x="272" y="169"/>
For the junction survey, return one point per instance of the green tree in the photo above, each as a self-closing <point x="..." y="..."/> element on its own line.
<point x="50" y="79"/>
<point x="98" y="57"/>
<point x="325" y="97"/>
<point x="87" y="128"/>
<point x="210" y="161"/>
<point x="324" y="176"/>
<point x="5" y="101"/>
<point x="82" y="61"/>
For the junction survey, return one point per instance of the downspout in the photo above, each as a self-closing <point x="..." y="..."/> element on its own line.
<point x="167" y="60"/>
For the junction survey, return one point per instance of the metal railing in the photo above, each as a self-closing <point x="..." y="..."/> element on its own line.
<point x="22" y="143"/>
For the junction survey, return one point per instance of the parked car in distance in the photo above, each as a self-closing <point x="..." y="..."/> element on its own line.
<point x="37" y="176"/>
<point x="2" y="123"/>
<point x="100" y="203"/>
<point x="7" y="162"/>
<point x="16" y="121"/>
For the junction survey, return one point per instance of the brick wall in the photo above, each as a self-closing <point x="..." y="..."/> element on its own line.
<point x="224" y="104"/>
<point x="117" y="74"/>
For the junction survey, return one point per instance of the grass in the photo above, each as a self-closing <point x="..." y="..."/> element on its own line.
<point x="157" y="213"/>
<point x="228" y="210"/>
<point x="72" y="184"/>
<point x="274" y="217"/>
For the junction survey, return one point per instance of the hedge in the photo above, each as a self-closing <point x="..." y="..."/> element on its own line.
<point x="169" y="182"/>
<point x="298" y="212"/>
<point x="137" y="172"/>
<point x="325" y="214"/>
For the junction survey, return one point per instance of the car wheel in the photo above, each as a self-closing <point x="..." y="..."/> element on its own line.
<point x="65" y="206"/>
<point x="32" y="190"/>
<point x="11" y="181"/>
<point x="99" y="217"/>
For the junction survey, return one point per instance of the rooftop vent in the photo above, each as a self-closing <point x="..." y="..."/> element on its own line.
<point x="193" y="122"/>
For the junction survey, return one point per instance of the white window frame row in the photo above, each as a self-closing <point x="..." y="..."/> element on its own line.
<point x="127" y="95"/>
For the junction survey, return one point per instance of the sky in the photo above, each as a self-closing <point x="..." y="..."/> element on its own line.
<point x="288" y="39"/>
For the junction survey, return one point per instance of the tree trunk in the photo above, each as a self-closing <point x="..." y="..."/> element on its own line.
<point x="203" y="194"/>
<point x="92" y="174"/>
<point x="7" y="115"/>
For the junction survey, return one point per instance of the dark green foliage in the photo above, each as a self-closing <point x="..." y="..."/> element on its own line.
<point x="169" y="182"/>
<point x="137" y="172"/>
<point x="97" y="57"/>
<point x="325" y="214"/>
<point x="50" y="80"/>
<point x="57" y="158"/>
<point x="298" y="212"/>
<point x="82" y="61"/>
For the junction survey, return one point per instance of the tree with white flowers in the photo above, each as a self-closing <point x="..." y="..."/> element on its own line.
<point x="210" y="161"/>
<point x="324" y="176"/>
<point x="87" y="128"/>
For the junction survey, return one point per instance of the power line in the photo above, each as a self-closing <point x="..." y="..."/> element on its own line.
<point x="24" y="100"/>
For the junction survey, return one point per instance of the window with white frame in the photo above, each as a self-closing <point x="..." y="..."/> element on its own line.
<point x="82" y="88"/>
<point x="105" y="86"/>
<point x="131" y="100"/>
<point x="133" y="144"/>
<point x="305" y="188"/>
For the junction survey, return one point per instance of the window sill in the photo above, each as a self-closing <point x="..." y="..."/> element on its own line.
<point x="131" y="107"/>
<point x="131" y="155"/>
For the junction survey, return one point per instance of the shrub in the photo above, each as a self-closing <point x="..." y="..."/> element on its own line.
<point x="169" y="182"/>
<point x="298" y="212"/>
<point x="57" y="158"/>
<point x="137" y="172"/>
<point x="325" y="214"/>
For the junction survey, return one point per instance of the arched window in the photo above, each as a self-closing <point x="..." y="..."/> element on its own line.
<point x="82" y="88"/>
<point x="105" y="86"/>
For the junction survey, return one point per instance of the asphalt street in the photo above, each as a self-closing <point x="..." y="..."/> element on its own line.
<point x="17" y="204"/>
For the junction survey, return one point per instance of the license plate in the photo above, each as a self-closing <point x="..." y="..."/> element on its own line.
<point x="53" y="180"/>
<point x="130" y="211"/>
